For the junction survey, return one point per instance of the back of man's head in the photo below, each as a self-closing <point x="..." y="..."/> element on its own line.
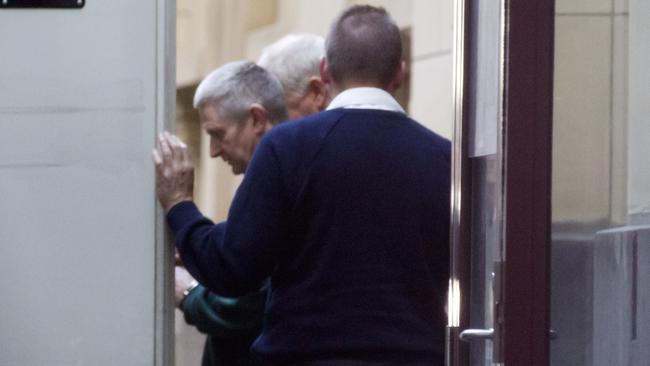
<point x="364" y="46"/>
<point x="235" y="86"/>
<point x="294" y="59"/>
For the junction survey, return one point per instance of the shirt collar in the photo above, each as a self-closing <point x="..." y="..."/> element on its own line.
<point x="366" y="98"/>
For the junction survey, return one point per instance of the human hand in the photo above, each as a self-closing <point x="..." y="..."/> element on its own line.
<point x="183" y="280"/>
<point x="174" y="171"/>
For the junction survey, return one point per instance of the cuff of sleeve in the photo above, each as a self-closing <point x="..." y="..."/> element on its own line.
<point x="188" y="305"/>
<point x="182" y="214"/>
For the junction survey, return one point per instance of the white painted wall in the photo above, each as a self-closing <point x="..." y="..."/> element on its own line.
<point x="639" y="113"/>
<point x="82" y="95"/>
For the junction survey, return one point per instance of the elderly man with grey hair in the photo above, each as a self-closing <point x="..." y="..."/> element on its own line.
<point x="232" y="324"/>
<point x="346" y="210"/>
<point x="237" y="104"/>
<point x="295" y="60"/>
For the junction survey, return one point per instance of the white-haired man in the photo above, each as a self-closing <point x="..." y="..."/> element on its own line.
<point x="295" y="60"/>
<point x="346" y="210"/>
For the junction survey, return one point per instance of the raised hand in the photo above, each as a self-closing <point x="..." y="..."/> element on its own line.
<point x="174" y="171"/>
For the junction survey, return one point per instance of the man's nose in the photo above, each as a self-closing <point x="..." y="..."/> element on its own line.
<point x="215" y="148"/>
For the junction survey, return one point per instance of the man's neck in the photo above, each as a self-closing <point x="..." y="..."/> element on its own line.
<point x="340" y="88"/>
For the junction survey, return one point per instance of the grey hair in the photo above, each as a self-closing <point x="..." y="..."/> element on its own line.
<point x="364" y="44"/>
<point x="233" y="87"/>
<point x="294" y="59"/>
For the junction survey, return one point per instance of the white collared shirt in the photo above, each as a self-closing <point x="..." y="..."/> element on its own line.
<point x="366" y="98"/>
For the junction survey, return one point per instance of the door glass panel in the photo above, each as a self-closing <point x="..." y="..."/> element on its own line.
<point x="486" y="168"/>
<point x="486" y="229"/>
<point x="601" y="184"/>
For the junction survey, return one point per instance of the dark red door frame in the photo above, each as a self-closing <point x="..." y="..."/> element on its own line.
<point x="527" y="153"/>
<point x="528" y="120"/>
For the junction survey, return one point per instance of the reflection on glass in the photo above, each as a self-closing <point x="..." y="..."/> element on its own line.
<point x="486" y="228"/>
<point x="453" y="303"/>
<point x="485" y="153"/>
<point x="601" y="184"/>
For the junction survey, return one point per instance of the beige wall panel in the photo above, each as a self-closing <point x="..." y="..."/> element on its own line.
<point x="294" y="16"/>
<point x="288" y="15"/>
<point x="432" y="26"/>
<point x="431" y="94"/>
<point x="209" y="33"/>
<point x="581" y="152"/>
<point x="583" y="6"/>
<point x="621" y="6"/>
<point x="231" y="34"/>
<point x="316" y="16"/>
<point x="193" y="44"/>
<point x="260" y="13"/>
<point x="619" y="120"/>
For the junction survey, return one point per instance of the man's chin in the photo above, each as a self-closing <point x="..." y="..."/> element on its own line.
<point x="236" y="170"/>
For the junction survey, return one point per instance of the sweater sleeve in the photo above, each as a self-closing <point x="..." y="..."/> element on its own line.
<point x="234" y="257"/>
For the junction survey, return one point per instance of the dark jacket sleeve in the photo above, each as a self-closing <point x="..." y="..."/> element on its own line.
<point x="224" y="317"/>
<point x="233" y="258"/>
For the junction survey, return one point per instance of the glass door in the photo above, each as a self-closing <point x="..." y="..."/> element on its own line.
<point x="498" y="303"/>
<point x="481" y="161"/>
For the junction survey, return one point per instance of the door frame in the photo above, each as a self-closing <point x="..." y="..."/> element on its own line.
<point x="528" y="146"/>
<point x="527" y="92"/>
<point x="163" y="342"/>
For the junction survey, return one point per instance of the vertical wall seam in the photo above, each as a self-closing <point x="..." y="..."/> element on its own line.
<point x="157" y="238"/>
<point x="611" y="112"/>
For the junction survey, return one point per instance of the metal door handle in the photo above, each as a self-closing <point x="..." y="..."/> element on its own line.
<point x="474" y="334"/>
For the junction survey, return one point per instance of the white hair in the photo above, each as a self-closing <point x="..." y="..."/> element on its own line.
<point x="294" y="59"/>
<point x="233" y="87"/>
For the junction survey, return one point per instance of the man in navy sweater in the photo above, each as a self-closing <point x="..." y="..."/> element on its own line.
<point x="347" y="211"/>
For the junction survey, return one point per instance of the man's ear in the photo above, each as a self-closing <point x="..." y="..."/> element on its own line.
<point x="260" y="118"/>
<point x="399" y="77"/>
<point x="325" y="75"/>
<point x="317" y="90"/>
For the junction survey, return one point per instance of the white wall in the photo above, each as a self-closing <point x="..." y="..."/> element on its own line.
<point x="639" y="112"/>
<point x="83" y="95"/>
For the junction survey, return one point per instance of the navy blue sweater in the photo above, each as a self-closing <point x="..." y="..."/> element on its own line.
<point x="347" y="211"/>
